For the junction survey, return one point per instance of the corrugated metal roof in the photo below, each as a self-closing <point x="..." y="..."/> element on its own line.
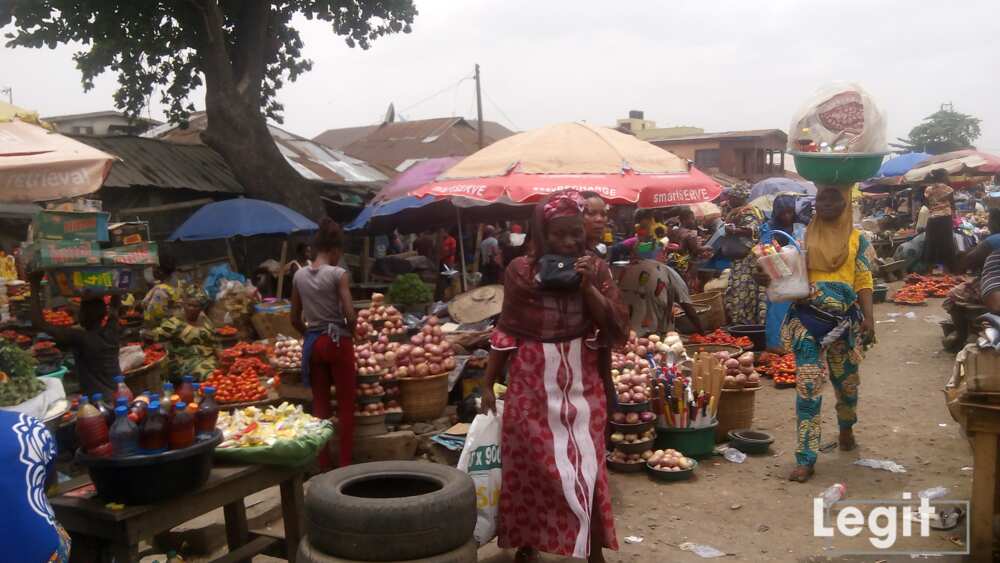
<point x="393" y="143"/>
<point x="340" y="138"/>
<point x="159" y="164"/>
<point x="310" y="159"/>
<point x="725" y="135"/>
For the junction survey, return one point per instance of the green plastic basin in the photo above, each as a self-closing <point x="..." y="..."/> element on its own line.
<point x="692" y="442"/>
<point x="837" y="169"/>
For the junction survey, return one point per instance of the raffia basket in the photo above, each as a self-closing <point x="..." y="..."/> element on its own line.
<point x="423" y="398"/>
<point x="716" y="315"/>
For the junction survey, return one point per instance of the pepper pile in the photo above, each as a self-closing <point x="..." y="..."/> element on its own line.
<point x="154" y="353"/>
<point x="21" y="340"/>
<point x="243" y="350"/>
<point x="226" y="331"/>
<point x="242" y="383"/>
<point x="781" y="368"/>
<point x="918" y="288"/>
<point x="719" y="336"/>
<point x="58" y="317"/>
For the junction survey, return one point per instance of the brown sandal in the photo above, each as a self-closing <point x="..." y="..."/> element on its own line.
<point x="801" y="473"/>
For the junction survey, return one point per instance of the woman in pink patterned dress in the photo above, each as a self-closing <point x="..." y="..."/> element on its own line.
<point x="554" y="496"/>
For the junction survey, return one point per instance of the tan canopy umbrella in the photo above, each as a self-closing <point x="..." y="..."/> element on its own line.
<point x="40" y="165"/>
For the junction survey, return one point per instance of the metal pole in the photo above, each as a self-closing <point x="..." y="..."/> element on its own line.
<point x="479" y="109"/>
<point x="461" y="243"/>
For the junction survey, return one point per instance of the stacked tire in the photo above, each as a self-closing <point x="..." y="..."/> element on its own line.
<point x="400" y="511"/>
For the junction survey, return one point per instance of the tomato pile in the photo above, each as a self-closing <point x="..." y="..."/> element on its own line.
<point x="719" y="336"/>
<point x="781" y="368"/>
<point x="58" y="317"/>
<point x="244" y="350"/>
<point x="16" y="337"/>
<point x="154" y="353"/>
<point x="226" y="331"/>
<point x="918" y="288"/>
<point x="242" y="382"/>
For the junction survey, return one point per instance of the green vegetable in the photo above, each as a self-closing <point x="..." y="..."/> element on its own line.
<point x="18" y="384"/>
<point x="409" y="289"/>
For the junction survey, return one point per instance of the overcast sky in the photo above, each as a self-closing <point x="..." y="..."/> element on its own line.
<point x="718" y="65"/>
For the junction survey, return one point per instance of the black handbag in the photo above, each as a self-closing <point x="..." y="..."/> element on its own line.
<point x="558" y="272"/>
<point x="735" y="247"/>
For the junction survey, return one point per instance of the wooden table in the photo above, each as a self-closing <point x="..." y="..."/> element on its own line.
<point x="227" y="487"/>
<point x="984" y="428"/>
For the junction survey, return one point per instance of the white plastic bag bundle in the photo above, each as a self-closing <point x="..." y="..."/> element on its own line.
<point x="481" y="460"/>
<point x="840" y="117"/>
<point x="788" y="271"/>
<point x="130" y="357"/>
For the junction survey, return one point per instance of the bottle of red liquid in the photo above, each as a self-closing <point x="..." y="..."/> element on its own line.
<point x="97" y="399"/>
<point x="208" y="413"/>
<point x="91" y="430"/>
<point x="180" y="432"/>
<point x="139" y="406"/>
<point x="122" y="390"/>
<point x="186" y="390"/>
<point x="153" y="433"/>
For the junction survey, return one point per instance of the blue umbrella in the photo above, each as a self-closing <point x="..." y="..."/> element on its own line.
<point x="241" y="217"/>
<point x="902" y="164"/>
<point x="781" y="185"/>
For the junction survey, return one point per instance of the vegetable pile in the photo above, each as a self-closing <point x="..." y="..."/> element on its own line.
<point x="621" y="438"/>
<point x="669" y="460"/>
<point x="253" y="427"/>
<point x="243" y="350"/>
<point x="380" y="319"/>
<point x="918" y="288"/>
<point x="427" y="354"/>
<point x="636" y="350"/>
<point x="21" y="340"/>
<point x="287" y="353"/>
<point x="226" y="331"/>
<point x="719" y="336"/>
<point x="58" y="317"/>
<point x="409" y="289"/>
<point x="241" y="383"/>
<point x="740" y="372"/>
<point x="778" y="367"/>
<point x="632" y="384"/>
<point x="17" y="375"/>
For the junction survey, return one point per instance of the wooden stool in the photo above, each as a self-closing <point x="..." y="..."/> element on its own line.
<point x="984" y="429"/>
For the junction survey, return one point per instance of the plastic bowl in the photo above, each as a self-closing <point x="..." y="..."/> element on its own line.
<point x="683" y="475"/>
<point x="632" y="428"/>
<point x="145" y="479"/>
<point x="625" y="467"/>
<point x="750" y="441"/>
<point x="635" y="448"/>
<point x="837" y="169"/>
<point x="756" y="334"/>
<point x="879" y="293"/>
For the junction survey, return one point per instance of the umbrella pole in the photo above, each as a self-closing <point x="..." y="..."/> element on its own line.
<point x="281" y="270"/>
<point x="232" y="258"/>
<point x="461" y="244"/>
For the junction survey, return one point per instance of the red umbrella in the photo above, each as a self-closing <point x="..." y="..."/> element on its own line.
<point x="622" y="169"/>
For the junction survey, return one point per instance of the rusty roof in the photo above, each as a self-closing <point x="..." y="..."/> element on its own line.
<point x="724" y="136"/>
<point x="153" y="163"/>
<point x="393" y="143"/>
<point x="340" y="138"/>
<point x="310" y="159"/>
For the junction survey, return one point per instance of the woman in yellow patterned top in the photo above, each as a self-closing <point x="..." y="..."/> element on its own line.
<point x="827" y="330"/>
<point x="160" y="301"/>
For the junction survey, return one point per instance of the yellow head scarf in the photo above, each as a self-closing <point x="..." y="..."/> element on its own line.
<point x="827" y="240"/>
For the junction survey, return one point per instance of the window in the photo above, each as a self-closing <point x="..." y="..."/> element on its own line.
<point x="706" y="158"/>
<point x="80" y="130"/>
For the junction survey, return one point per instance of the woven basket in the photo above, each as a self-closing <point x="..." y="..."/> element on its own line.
<point x="372" y="425"/>
<point x="735" y="412"/>
<point x="716" y="315"/>
<point x="147" y="378"/>
<point x="423" y="398"/>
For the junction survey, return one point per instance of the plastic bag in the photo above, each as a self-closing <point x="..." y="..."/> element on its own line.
<point x="840" y="117"/>
<point x="481" y="460"/>
<point x="130" y="357"/>
<point x="788" y="271"/>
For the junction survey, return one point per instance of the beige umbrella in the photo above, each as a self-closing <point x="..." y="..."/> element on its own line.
<point x="39" y="165"/>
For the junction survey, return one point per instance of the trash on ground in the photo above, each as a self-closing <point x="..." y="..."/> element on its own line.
<point x="633" y="539"/>
<point x="910" y="315"/>
<point x="933" y="493"/>
<point x="884" y="464"/>
<point x="703" y="551"/>
<point x="734" y="455"/>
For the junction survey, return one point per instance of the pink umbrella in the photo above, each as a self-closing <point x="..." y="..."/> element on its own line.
<point x="39" y="165"/>
<point x="528" y="166"/>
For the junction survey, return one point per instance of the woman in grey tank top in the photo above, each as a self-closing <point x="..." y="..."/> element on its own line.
<point x="323" y="312"/>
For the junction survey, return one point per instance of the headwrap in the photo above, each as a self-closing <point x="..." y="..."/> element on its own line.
<point x="567" y="203"/>
<point x="827" y="241"/>
<point x="741" y="191"/>
<point x="781" y="203"/>
<point x="191" y="292"/>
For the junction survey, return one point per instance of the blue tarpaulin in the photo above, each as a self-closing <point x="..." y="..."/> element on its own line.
<point x="902" y="164"/>
<point x="781" y="185"/>
<point x="242" y="217"/>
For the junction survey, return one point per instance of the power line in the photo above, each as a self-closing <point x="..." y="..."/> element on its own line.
<point x="502" y="113"/>
<point x="436" y="94"/>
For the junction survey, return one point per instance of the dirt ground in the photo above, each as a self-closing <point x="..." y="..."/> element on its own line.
<point x="752" y="512"/>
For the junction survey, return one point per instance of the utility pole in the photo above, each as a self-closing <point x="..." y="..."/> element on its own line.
<point x="479" y="109"/>
<point x="9" y="90"/>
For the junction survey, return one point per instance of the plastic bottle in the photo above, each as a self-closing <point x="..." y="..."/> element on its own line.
<point x="97" y="399"/>
<point x="124" y="434"/>
<point x="139" y="407"/>
<point x="91" y="429"/>
<point x="122" y="390"/>
<point x="153" y="433"/>
<point x="186" y="390"/>
<point x="834" y="493"/>
<point x="165" y="403"/>
<point x="208" y="413"/>
<point x="197" y="393"/>
<point x="181" y="428"/>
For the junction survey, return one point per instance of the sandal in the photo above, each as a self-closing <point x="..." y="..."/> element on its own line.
<point x="847" y="441"/>
<point x="801" y="473"/>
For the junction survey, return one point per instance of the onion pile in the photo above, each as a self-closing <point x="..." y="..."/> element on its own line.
<point x="740" y="372"/>
<point x="633" y="417"/>
<point x="636" y="349"/>
<point x="632" y="384"/>
<point x="370" y="390"/>
<point x="427" y="354"/>
<point x="620" y="438"/>
<point x="384" y="318"/>
<point x="371" y="409"/>
<point x="669" y="460"/>
<point x="287" y="353"/>
<point x="622" y="457"/>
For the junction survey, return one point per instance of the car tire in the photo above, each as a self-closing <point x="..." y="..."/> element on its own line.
<point x="390" y="511"/>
